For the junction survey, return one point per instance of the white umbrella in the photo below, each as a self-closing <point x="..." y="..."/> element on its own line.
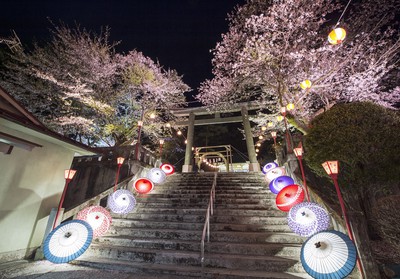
<point x="121" y="201"/>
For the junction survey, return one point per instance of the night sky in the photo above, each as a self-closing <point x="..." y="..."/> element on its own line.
<point x="177" y="33"/>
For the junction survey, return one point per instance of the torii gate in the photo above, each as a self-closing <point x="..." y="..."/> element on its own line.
<point x="191" y="113"/>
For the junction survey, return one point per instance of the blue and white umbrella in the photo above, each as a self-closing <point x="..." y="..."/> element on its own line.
<point x="328" y="255"/>
<point x="67" y="241"/>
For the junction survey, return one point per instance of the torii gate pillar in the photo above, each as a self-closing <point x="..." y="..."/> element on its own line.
<point x="254" y="165"/>
<point x="187" y="167"/>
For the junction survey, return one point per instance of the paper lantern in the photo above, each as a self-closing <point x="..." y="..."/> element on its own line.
<point x="156" y="175"/>
<point x="167" y="168"/>
<point x="308" y="218"/>
<point x="305" y="84"/>
<point x="289" y="197"/>
<point x="143" y="185"/>
<point x="290" y="106"/>
<point x="279" y="183"/>
<point x="121" y="201"/>
<point x="336" y="36"/>
<point x="274" y="173"/>
<point x="269" y="167"/>
<point x="98" y="218"/>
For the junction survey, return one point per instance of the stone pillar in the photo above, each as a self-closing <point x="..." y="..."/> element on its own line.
<point x="254" y="165"/>
<point x="187" y="167"/>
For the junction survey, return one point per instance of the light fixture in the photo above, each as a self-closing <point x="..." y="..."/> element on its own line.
<point x="152" y="115"/>
<point x="273" y="134"/>
<point x="336" y="36"/>
<point x="168" y="125"/>
<point x="305" y="84"/>
<point x="263" y="128"/>
<point x="279" y="118"/>
<point x="120" y="160"/>
<point x="260" y="137"/>
<point x="298" y="151"/>
<point x="68" y="175"/>
<point x="140" y="123"/>
<point x="179" y="132"/>
<point x="258" y="144"/>
<point x="290" y="106"/>
<point x="270" y="124"/>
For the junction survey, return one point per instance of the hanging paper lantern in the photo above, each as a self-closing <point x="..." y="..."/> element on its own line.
<point x="279" y="183"/>
<point x="308" y="218"/>
<point x="121" y="201"/>
<point x="289" y="197"/>
<point x="143" y="185"/>
<point x="269" y="167"/>
<point x="157" y="175"/>
<point x="305" y="84"/>
<point x="167" y="168"/>
<point x="98" y="218"/>
<point x="290" y="106"/>
<point x="274" y="173"/>
<point x="336" y="36"/>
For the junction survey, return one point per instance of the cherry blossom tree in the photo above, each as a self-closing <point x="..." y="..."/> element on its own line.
<point x="272" y="46"/>
<point x="77" y="85"/>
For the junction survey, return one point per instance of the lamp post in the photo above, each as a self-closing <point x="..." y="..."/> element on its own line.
<point x="139" y="124"/>
<point x="283" y="112"/>
<point x="299" y="154"/>
<point x="120" y="161"/>
<point x="161" y="145"/>
<point x="68" y="175"/>
<point x="332" y="169"/>
<point x="273" y="134"/>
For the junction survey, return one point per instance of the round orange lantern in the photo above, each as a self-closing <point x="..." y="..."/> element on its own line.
<point x="290" y="106"/>
<point x="305" y="84"/>
<point x="337" y="36"/>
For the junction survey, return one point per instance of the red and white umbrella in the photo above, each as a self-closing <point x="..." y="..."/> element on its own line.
<point x="167" y="168"/>
<point x="289" y="197"/>
<point x="98" y="218"/>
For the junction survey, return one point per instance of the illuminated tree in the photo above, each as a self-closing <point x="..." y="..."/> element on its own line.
<point x="77" y="85"/>
<point x="272" y="46"/>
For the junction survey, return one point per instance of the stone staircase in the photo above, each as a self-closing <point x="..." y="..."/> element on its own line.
<point x="161" y="237"/>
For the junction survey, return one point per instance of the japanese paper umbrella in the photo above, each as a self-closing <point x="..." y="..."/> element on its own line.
<point x="274" y="173"/>
<point x="143" y="185"/>
<point x="279" y="183"/>
<point x="269" y="166"/>
<point x="98" y="218"/>
<point x="328" y="254"/>
<point x="157" y="175"/>
<point x="308" y="218"/>
<point x="289" y="197"/>
<point x="167" y="168"/>
<point x="67" y="241"/>
<point x="121" y="201"/>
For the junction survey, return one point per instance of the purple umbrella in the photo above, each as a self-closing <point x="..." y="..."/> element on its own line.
<point x="121" y="201"/>
<point x="308" y="218"/>
<point x="269" y="166"/>
<point x="279" y="183"/>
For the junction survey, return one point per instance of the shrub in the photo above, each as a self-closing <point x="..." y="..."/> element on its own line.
<point x="363" y="137"/>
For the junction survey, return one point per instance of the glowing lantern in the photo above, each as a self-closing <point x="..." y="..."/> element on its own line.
<point x="279" y="183"/>
<point x="289" y="197"/>
<point x="290" y="106"/>
<point x="279" y="118"/>
<point x="167" y="168"/>
<point x="336" y="36"/>
<point x="263" y="128"/>
<point x="305" y="84"/>
<point x="269" y="167"/>
<point x="274" y="173"/>
<point x="270" y="124"/>
<point x="143" y="185"/>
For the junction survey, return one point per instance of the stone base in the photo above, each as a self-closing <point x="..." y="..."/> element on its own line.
<point x="254" y="167"/>
<point x="187" y="168"/>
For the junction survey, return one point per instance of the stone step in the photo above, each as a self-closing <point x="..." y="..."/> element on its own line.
<point x="180" y="205"/>
<point x="180" y="271"/>
<point x="255" y="196"/>
<point x="184" y="201"/>
<point x="218" y="191"/>
<point x="265" y="249"/>
<point x="255" y="237"/>
<point x="172" y="234"/>
<point x="192" y="258"/>
<point x="138" y="223"/>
